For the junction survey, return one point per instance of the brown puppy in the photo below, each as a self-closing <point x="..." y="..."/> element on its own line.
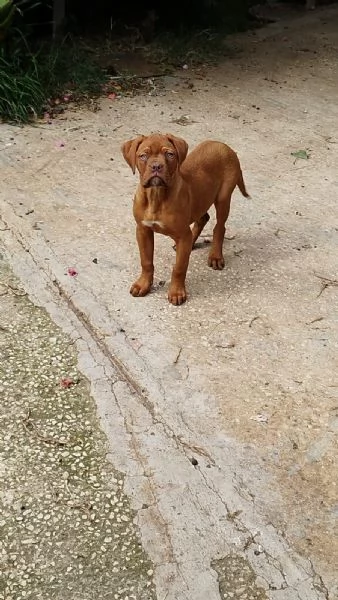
<point x="175" y="191"/>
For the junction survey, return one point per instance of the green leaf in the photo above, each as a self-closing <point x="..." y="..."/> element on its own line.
<point x="5" y="4"/>
<point x="7" y="10"/>
<point x="301" y="154"/>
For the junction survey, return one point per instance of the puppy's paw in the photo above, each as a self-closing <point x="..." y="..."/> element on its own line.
<point x="141" y="287"/>
<point x="216" y="262"/>
<point x="177" y="295"/>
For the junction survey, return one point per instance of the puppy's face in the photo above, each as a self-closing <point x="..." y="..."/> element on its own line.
<point x="156" y="157"/>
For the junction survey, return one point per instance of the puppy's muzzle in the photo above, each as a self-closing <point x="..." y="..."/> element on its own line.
<point x="156" y="178"/>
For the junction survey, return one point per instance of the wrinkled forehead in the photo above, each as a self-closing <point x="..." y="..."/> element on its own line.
<point x="155" y="144"/>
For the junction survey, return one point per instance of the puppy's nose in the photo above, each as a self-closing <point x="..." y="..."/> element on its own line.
<point x="156" y="167"/>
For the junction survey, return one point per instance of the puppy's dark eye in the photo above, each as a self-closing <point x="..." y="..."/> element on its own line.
<point x="170" y="155"/>
<point x="143" y="156"/>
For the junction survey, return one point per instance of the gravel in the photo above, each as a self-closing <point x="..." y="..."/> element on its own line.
<point x="66" y="527"/>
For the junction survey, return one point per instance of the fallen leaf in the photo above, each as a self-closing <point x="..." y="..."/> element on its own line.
<point x="66" y="382"/>
<point x="304" y="154"/>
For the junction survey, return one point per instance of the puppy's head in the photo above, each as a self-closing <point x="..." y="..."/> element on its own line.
<point x="156" y="157"/>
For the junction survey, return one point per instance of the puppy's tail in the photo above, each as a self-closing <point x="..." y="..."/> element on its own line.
<point x="241" y="184"/>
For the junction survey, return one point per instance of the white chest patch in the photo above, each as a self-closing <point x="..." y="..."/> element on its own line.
<point x="152" y="223"/>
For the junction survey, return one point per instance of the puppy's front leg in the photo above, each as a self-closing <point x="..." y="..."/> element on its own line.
<point x="177" y="293"/>
<point x="145" y="240"/>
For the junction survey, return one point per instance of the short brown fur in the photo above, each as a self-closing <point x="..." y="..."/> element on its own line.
<point x="175" y="191"/>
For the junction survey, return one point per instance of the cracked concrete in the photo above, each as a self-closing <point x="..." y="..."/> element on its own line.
<point x="222" y="414"/>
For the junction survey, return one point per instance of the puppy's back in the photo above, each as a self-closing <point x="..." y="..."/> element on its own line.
<point x="210" y="157"/>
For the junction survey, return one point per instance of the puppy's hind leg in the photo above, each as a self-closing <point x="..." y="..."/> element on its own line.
<point x="198" y="227"/>
<point x="222" y="205"/>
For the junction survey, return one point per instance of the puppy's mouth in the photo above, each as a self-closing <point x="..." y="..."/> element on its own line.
<point x="155" y="181"/>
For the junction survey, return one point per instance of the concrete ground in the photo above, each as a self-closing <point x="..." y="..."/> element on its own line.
<point x="221" y="414"/>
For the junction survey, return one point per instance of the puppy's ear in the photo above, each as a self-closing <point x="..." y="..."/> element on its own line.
<point x="180" y="146"/>
<point x="129" y="150"/>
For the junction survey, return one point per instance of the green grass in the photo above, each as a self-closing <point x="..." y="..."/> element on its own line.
<point x="21" y="93"/>
<point x="29" y="80"/>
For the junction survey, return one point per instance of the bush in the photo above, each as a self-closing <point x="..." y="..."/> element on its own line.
<point x="32" y="72"/>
